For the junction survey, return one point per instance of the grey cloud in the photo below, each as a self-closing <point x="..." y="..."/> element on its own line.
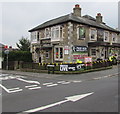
<point x="18" y="18"/>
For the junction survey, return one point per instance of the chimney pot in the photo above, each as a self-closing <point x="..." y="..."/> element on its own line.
<point x="77" y="6"/>
<point x="77" y="10"/>
<point x="99" y="18"/>
<point x="99" y="14"/>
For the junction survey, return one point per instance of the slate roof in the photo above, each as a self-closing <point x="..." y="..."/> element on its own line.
<point x="86" y="20"/>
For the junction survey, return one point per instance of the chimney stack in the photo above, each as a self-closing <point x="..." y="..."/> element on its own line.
<point x="77" y="10"/>
<point x="99" y="18"/>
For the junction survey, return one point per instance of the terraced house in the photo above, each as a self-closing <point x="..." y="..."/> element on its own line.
<point x="72" y="37"/>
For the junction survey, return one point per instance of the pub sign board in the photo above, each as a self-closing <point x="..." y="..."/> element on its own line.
<point x="71" y="67"/>
<point x="80" y="49"/>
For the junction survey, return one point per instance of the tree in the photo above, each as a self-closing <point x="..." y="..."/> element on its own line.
<point x="24" y="44"/>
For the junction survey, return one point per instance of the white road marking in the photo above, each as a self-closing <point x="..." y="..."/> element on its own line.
<point x="30" y="86"/>
<point x="71" y="98"/>
<point x="61" y="82"/>
<point x="77" y="81"/>
<point x="15" y="91"/>
<point x="8" y="90"/>
<point x="28" y="81"/>
<point x="10" y="77"/>
<point x="4" y="88"/>
<point x="65" y="83"/>
<point x="47" y="83"/>
<point x="34" y="88"/>
<point x="52" y="85"/>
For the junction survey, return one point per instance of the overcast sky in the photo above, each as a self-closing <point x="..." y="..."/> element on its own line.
<point x="19" y="17"/>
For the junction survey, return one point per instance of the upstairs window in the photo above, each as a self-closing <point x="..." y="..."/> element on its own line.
<point x="56" y="33"/>
<point x="114" y="37"/>
<point x="93" y="34"/>
<point x="106" y="36"/>
<point x="47" y="33"/>
<point x="37" y="36"/>
<point x="33" y="37"/>
<point x="81" y="33"/>
<point x="100" y="35"/>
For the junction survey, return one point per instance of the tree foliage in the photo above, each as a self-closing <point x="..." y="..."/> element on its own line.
<point x="24" y="44"/>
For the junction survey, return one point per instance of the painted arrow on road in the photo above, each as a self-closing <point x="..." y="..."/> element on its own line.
<point x="70" y="98"/>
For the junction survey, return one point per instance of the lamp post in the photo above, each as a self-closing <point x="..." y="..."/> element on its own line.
<point x="6" y="52"/>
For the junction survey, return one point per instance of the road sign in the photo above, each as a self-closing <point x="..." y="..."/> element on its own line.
<point x="6" y="52"/>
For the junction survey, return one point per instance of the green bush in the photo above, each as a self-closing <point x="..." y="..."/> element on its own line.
<point x="25" y="56"/>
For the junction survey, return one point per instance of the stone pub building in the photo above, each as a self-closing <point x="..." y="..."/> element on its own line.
<point x="72" y="37"/>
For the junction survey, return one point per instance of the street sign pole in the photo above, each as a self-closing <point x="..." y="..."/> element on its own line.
<point x="7" y="63"/>
<point x="6" y="52"/>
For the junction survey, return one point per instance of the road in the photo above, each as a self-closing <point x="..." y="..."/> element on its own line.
<point x="89" y="92"/>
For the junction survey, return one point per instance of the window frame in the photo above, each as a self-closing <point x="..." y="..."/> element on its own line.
<point x="108" y="36"/>
<point x="49" y="32"/>
<point x="58" y="59"/>
<point x="92" y="53"/>
<point x="47" y="53"/>
<point x="115" y="38"/>
<point x="91" y="34"/>
<point x="78" y="33"/>
<point x="56" y="34"/>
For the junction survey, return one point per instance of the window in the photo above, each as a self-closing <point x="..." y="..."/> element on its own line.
<point x="106" y="36"/>
<point x="56" y="33"/>
<point x="114" y="37"/>
<point x="93" y="52"/>
<point x="37" y="36"/>
<point x="47" y="54"/>
<point x="100" y="35"/>
<point x="47" y="33"/>
<point x="61" y="53"/>
<point x="33" y="37"/>
<point x="58" y="53"/>
<point x="93" y="34"/>
<point x="81" y="33"/>
<point x="61" y="31"/>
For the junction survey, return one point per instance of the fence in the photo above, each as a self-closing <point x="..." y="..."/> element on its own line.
<point x="71" y="66"/>
<point x="57" y="66"/>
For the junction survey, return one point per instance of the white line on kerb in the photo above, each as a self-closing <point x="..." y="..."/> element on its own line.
<point x="31" y="86"/>
<point x="52" y="85"/>
<point x="34" y="88"/>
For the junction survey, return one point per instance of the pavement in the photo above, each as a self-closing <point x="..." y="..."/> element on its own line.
<point x="85" y="76"/>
